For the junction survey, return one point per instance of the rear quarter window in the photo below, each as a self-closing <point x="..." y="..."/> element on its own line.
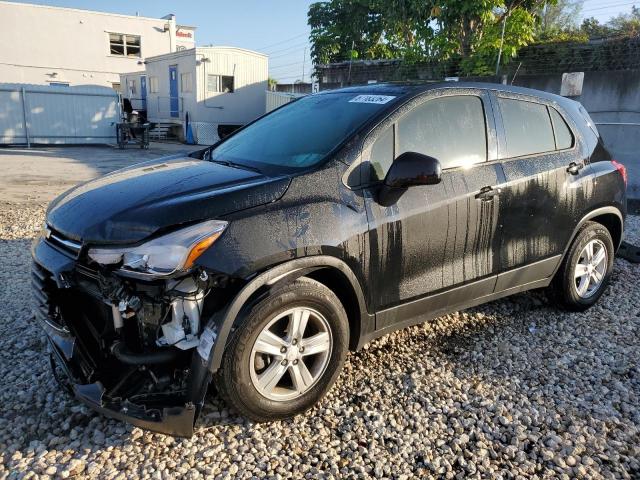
<point x="564" y="137"/>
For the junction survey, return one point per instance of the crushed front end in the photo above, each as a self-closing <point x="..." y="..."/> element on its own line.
<point x="126" y="345"/>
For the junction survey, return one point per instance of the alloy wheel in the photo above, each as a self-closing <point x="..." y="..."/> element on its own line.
<point x="591" y="268"/>
<point x="290" y="354"/>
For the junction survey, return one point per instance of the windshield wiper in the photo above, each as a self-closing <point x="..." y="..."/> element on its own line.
<point x="242" y="166"/>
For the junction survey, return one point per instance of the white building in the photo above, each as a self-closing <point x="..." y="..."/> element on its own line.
<point x="220" y="88"/>
<point x="66" y="46"/>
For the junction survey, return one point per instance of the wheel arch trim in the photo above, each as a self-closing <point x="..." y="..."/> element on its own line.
<point x="597" y="212"/>
<point x="222" y="323"/>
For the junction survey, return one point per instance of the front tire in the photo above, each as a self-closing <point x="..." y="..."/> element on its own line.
<point x="586" y="270"/>
<point x="286" y="352"/>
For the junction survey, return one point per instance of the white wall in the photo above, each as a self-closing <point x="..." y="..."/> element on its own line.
<point x="37" y="41"/>
<point x="57" y="115"/>
<point x="247" y="102"/>
<point x="277" y="99"/>
<point x="158" y="107"/>
<point x="250" y="71"/>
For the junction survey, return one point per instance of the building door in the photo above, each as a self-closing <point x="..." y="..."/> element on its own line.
<point x="174" y="100"/>
<point x="143" y="91"/>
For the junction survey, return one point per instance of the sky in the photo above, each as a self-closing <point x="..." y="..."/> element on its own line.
<point x="275" y="27"/>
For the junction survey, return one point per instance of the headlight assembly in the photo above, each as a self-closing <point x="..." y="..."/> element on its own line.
<point x="165" y="255"/>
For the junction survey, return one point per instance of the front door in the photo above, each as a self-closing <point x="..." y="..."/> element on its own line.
<point x="174" y="99"/>
<point x="435" y="237"/>
<point x="546" y="181"/>
<point x="143" y="91"/>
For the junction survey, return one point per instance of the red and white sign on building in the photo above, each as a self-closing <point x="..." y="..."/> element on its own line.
<point x="185" y="37"/>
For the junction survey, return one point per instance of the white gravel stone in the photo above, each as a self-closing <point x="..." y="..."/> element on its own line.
<point x="513" y="389"/>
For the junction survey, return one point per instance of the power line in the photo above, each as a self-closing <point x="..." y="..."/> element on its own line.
<point x="282" y="41"/>
<point x="606" y="7"/>
<point x="285" y="65"/>
<point x="298" y="49"/>
<point x="297" y="45"/>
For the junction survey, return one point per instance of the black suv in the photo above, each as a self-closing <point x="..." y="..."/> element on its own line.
<point x="257" y="263"/>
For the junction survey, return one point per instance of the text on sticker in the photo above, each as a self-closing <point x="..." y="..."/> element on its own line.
<point x="379" y="99"/>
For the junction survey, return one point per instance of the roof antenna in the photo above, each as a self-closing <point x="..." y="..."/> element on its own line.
<point x="516" y="73"/>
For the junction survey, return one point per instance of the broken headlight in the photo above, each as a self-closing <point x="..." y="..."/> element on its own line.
<point x="165" y="255"/>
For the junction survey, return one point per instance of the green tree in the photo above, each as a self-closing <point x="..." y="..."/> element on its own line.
<point x="559" y="19"/>
<point x="625" y="24"/>
<point x="417" y="30"/>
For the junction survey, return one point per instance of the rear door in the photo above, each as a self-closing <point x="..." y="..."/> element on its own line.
<point x="435" y="237"/>
<point x="546" y="181"/>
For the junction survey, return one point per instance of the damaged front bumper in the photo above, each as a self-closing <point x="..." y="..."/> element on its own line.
<point x="165" y="395"/>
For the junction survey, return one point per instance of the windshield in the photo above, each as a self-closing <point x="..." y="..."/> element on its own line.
<point x="301" y="134"/>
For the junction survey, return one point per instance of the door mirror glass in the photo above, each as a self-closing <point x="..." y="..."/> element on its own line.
<point x="407" y="170"/>
<point x="412" y="168"/>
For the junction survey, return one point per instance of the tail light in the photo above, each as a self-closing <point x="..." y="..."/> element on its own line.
<point x="622" y="169"/>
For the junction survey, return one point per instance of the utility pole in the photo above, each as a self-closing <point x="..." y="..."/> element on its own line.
<point x="504" y="22"/>
<point x="304" y="59"/>
<point x="353" y="43"/>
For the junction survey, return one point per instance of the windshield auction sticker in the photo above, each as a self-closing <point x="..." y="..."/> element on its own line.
<point x="379" y="99"/>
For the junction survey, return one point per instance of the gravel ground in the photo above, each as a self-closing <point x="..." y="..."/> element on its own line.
<point x="512" y="389"/>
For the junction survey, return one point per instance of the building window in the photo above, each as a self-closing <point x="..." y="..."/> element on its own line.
<point x="125" y="45"/>
<point x="153" y="85"/>
<point x="220" y="83"/>
<point x="132" y="87"/>
<point x="185" y="82"/>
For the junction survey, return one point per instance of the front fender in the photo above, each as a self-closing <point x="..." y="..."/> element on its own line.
<point x="215" y="336"/>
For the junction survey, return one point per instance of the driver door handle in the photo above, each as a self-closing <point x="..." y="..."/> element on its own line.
<point x="574" y="168"/>
<point x="487" y="193"/>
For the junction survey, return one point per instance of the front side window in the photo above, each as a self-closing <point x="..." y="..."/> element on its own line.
<point x="451" y="129"/>
<point x="220" y="83"/>
<point x="132" y="87"/>
<point x="124" y="45"/>
<point x="527" y="126"/>
<point x="300" y="134"/>
<point x="381" y="156"/>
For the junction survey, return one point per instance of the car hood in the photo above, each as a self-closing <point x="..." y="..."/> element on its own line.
<point x="131" y="204"/>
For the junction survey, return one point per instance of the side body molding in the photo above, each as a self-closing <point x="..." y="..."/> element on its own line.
<point x="222" y="322"/>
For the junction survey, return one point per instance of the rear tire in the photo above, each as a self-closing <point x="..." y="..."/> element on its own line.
<point x="265" y="343"/>
<point x="586" y="269"/>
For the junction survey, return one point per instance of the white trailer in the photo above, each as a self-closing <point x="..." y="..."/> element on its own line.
<point x="219" y="88"/>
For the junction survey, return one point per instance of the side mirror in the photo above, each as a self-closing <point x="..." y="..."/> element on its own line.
<point x="407" y="170"/>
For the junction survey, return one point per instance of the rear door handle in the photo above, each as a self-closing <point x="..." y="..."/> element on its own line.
<point x="487" y="193"/>
<point x="574" y="168"/>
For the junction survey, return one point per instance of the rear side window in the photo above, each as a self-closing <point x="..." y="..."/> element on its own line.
<point x="527" y="127"/>
<point x="451" y="129"/>
<point x="564" y="138"/>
